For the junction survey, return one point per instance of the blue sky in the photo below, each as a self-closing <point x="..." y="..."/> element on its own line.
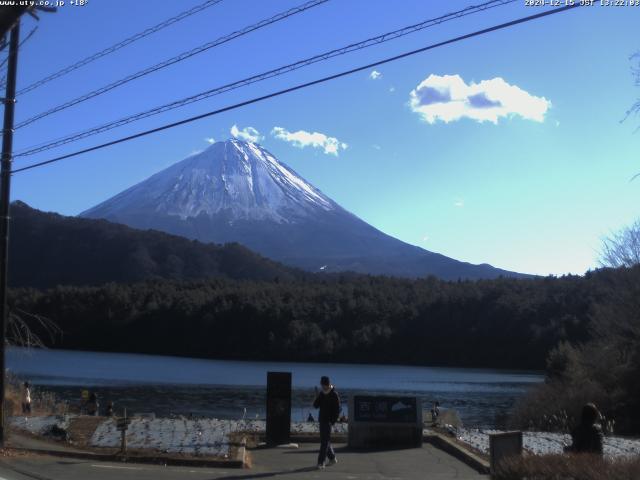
<point x="534" y="191"/>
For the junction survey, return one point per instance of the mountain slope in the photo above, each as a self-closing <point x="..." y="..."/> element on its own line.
<point x="48" y="249"/>
<point x="238" y="192"/>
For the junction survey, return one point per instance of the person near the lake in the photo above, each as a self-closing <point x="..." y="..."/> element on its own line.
<point x="109" y="410"/>
<point x="435" y="411"/>
<point x="26" y="398"/>
<point x="92" y="404"/>
<point x="310" y="418"/>
<point x="328" y="403"/>
<point x="84" y="400"/>
<point x="587" y="437"/>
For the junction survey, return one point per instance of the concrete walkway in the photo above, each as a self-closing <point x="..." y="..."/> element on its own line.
<point x="426" y="462"/>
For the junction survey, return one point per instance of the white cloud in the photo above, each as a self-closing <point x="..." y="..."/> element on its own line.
<point x="448" y="98"/>
<point x="459" y="203"/>
<point x="248" y="134"/>
<point x="425" y="238"/>
<point x="376" y="146"/>
<point x="392" y="89"/>
<point x="374" y="75"/>
<point x="301" y="139"/>
<point x="210" y="140"/>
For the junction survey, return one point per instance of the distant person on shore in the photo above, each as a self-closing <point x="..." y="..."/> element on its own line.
<point x="328" y="403"/>
<point x="310" y="418"/>
<point x="587" y="437"/>
<point x="26" y="398"/>
<point x="84" y="400"/>
<point x="435" y="412"/>
<point x="109" y="410"/>
<point x="92" y="404"/>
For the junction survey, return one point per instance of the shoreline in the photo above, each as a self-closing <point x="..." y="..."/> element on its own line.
<point x="475" y="369"/>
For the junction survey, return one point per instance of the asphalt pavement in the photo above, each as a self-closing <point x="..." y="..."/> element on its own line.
<point x="427" y="462"/>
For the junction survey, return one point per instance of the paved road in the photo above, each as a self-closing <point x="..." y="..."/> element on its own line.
<point x="426" y="462"/>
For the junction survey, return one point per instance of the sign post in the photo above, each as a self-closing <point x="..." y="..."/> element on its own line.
<point x="278" y="408"/>
<point x="122" y="425"/>
<point x="384" y="421"/>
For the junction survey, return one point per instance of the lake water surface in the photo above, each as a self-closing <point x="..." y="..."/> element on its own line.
<point x="223" y="388"/>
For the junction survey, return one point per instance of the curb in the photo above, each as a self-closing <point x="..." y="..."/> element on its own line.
<point x="308" y="438"/>
<point x="238" y="461"/>
<point x="452" y="448"/>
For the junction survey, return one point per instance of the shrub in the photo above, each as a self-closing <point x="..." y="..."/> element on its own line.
<point x="568" y="467"/>
<point x="556" y="406"/>
<point x="603" y="370"/>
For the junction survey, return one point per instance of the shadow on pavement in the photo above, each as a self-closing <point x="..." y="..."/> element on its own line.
<point x="71" y="462"/>
<point x="267" y="474"/>
<point x="345" y="449"/>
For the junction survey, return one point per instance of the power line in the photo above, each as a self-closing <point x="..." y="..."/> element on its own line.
<point x="263" y="76"/>
<point x="119" y="45"/>
<point x="178" y="58"/>
<point x="302" y="86"/>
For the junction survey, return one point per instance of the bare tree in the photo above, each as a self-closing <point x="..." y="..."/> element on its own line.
<point x="622" y="249"/>
<point x="635" y="108"/>
<point x="635" y="70"/>
<point x="635" y="58"/>
<point x="26" y="329"/>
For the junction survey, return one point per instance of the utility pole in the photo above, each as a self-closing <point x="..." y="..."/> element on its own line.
<point x="5" y="198"/>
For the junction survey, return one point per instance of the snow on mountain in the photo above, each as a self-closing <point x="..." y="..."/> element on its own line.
<point x="236" y="177"/>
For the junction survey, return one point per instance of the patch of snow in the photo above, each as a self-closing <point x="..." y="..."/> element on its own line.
<point x="286" y="176"/>
<point x="208" y="436"/>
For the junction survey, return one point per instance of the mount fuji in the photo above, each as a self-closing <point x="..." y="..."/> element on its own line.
<point x="236" y="191"/>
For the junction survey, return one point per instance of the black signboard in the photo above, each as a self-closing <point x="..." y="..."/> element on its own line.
<point x="278" y="407"/>
<point x="385" y="409"/>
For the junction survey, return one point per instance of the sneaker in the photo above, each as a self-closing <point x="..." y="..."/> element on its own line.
<point x="321" y="466"/>
<point x="332" y="461"/>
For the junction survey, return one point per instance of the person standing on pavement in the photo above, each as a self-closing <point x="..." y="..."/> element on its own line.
<point x="328" y="403"/>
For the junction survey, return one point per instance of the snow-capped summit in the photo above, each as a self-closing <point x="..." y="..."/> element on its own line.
<point x="236" y="191"/>
<point x="239" y="178"/>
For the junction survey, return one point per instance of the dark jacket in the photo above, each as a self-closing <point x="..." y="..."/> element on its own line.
<point x="329" y="405"/>
<point x="587" y="439"/>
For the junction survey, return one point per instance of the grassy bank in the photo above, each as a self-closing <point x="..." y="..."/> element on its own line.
<point x="43" y="402"/>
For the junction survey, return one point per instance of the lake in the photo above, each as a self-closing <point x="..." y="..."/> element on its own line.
<point x="224" y="388"/>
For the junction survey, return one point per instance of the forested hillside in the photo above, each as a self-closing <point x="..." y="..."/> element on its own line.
<point x="48" y="249"/>
<point x="505" y="323"/>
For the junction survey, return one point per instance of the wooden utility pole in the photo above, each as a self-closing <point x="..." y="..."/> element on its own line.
<point x="9" y="101"/>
